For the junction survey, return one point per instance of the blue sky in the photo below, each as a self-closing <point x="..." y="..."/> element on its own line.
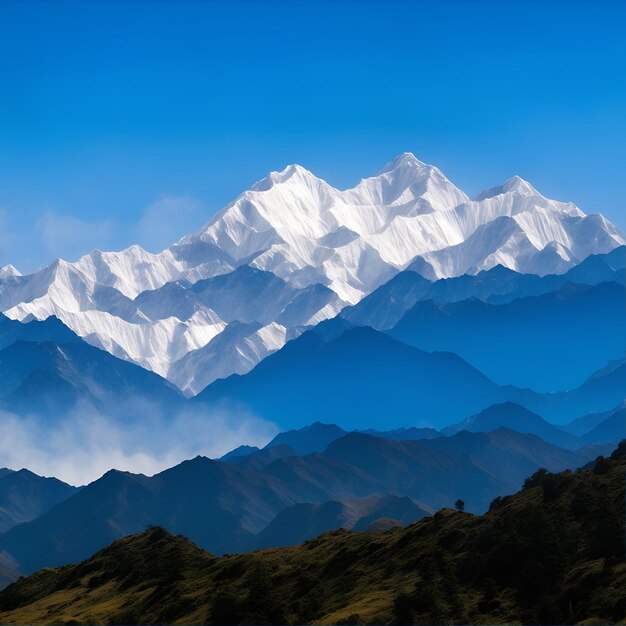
<point x="125" y="122"/>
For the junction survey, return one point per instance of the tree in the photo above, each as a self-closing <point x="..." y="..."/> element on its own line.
<point x="402" y="610"/>
<point x="459" y="505"/>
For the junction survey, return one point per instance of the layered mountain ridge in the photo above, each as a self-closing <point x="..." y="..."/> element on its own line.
<point x="550" y="554"/>
<point x="227" y="506"/>
<point x="296" y="251"/>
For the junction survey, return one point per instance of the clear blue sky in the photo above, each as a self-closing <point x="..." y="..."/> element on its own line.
<point x="136" y="121"/>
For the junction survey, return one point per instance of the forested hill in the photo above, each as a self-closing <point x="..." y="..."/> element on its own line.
<point x="551" y="554"/>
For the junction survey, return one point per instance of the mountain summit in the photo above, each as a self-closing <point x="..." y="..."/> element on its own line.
<point x="515" y="184"/>
<point x="313" y="248"/>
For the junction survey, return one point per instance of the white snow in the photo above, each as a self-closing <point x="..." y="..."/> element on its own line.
<point x="305" y="231"/>
<point x="9" y="270"/>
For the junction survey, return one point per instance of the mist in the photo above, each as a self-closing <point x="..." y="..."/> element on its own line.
<point x="83" y="444"/>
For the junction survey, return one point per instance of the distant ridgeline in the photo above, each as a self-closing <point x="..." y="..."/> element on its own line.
<point x="419" y="350"/>
<point x="551" y="554"/>
<point x="406" y="250"/>
<point x="301" y="484"/>
<point x="412" y="353"/>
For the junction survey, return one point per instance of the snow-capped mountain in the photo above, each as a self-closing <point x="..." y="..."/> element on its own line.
<point x="8" y="270"/>
<point x="292" y="251"/>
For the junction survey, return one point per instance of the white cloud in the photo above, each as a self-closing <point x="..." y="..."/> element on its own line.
<point x="167" y="220"/>
<point x="54" y="234"/>
<point x="83" y="445"/>
<point x="69" y="237"/>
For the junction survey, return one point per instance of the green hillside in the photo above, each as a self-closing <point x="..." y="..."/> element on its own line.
<point x="551" y="554"/>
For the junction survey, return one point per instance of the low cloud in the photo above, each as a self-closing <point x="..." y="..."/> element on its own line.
<point x="30" y="245"/>
<point x="69" y="237"/>
<point x="81" y="446"/>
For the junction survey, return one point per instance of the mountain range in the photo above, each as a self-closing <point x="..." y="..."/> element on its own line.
<point x="548" y="343"/>
<point x="553" y="553"/>
<point x="517" y="418"/>
<point x="413" y="349"/>
<point x="25" y="496"/>
<point x="255" y="500"/>
<point x="385" y="306"/>
<point x="369" y="377"/>
<point x="290" y="252"/>
<point x="46" y="369"/>
<point x="366" y="377"/>
<point x="353" y="376"/>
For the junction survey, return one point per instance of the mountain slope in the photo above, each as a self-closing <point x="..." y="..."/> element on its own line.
<point x="402" y="434"/>
<point x="515" y="417"/>
<point x="223" y="506"/>
<point x="602" y="391"/>
<point x="436" y="472"/>
<point x="610" y="430"/>
<point x="50" y="329"/>
<point x="508" y="455"/>
<point x="236" y="350"/>
<point x="359" y="377"/>
<point x="258" y="459"/>
<point x="355" y="376"/>
<point x="47" y="372"/>
<point x="25" y="496"/>
<point x="549" y="342"/>
<point x="312" y="438"/>
<point x="385" y="306"/>
<point x="305" y="521"/>
<point x="584" y="424"/>
<point x="215" y="504"/>
<point x="550" y="554"/>
<point x="50" y="378"/>
<point x="292" y="251"/>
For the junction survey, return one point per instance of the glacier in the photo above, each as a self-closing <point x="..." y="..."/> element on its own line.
<point x="290" y="252"/>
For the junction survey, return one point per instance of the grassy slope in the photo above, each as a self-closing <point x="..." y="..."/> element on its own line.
<point x="553" y="553"/>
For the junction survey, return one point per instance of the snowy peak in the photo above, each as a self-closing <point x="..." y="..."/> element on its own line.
<point x="9" y="270"/>
<point x="515" y="184"/>
<point x="292" y="174"/>
<point x="290" y="252"/>
<point x="410" y="182"/>
<point x="406" y="160"/>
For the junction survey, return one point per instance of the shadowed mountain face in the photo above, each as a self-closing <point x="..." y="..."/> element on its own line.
<point x="25" y="496"/>
<point x="508" y="454"/>
<point x="305" y="521"/>
<point x="239" y="452"/>
<point x="355" y="376"/>
<point x="450" y="568"/>
<point x="313" y="438"/>
<point x="505" y="456"/>
<point x="359" y="377"/>
<point x="215" y="504"/>
<point x="610" y="429"/>
<point x="385" y="307"/>
<point x="292" y="251"/>
<point x="50" y="378"/>
<point x="46" y="369"/>
<point x="516" y="417"/>
<point x="49" y="330"/>
<point x="400" y="434"/>
<point x="245" y="503"/>
<point x="548" y="343"/>
<point x="601" y="392"/>
<point x="585" y="423"/>
<point x="258" y="459"/>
